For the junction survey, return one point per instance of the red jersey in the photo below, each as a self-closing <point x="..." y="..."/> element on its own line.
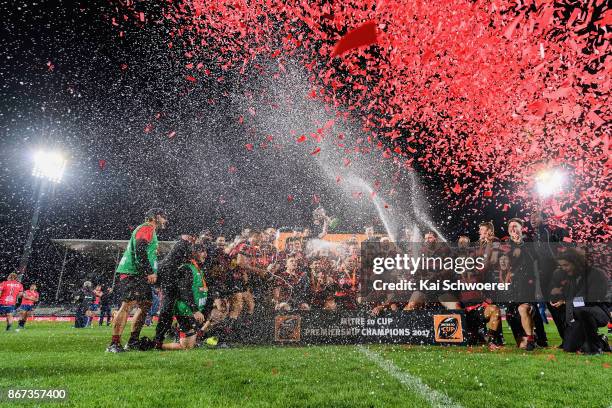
<point x="9" y="291"/>
<point x="32" y="294"/>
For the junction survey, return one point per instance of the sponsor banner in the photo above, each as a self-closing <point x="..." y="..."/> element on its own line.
<point x="347" y="327"/>
<point x="46" y="318"/>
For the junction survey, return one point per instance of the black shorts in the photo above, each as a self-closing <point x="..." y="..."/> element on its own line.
<point x="475" y="316"/>
<point x="135" y="288"/>
<point x="188" y="325"/>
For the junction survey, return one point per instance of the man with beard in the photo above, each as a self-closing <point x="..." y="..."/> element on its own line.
<point x="138" y="269"/>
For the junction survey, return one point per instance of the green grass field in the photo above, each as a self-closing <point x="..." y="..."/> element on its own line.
<point x="54" y="355"/>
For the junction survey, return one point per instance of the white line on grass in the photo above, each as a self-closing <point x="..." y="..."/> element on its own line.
<point x="411" y="382"/>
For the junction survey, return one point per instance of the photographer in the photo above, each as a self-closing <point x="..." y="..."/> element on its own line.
<point x="582" y="298"/>
<point x="83" y="298"/>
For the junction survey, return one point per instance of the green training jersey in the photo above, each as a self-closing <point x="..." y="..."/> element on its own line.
<point x="198" y="289"/>
<point x="129" y="265"/>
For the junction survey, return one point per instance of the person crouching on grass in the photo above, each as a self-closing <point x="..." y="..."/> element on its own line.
<point x="190" y="301"/>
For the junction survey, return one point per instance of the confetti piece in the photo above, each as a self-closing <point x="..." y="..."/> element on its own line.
<point x="359" y="37"/>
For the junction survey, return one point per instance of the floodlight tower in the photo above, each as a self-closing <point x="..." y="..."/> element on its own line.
<point x="49" y="166"/>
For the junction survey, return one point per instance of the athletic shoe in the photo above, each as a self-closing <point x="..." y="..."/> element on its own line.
<point x="530" y="346"/>
<point x="115" y="348"/>
<point x="132" y="345"/>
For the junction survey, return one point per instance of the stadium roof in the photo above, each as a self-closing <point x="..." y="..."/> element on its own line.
<point x="103" y="248"/>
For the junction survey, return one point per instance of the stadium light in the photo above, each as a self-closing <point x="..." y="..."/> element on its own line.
<point x="49" y="165"/>
<point x="549" y="182"/>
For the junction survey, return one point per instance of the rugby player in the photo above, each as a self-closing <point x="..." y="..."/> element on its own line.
<point x="139" y="270"/>
<point x="95" y="305"/>
<point x="10" y="290"/>
<point x="28" y="299"/>
<point x="522" y="277"/>
<point x="291" y="288"/>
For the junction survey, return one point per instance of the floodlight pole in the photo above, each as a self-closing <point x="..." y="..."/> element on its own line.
<point x="59" y="282"/>
<point x="27" y="249"/>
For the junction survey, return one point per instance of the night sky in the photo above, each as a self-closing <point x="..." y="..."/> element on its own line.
<point x="137" y="137"/>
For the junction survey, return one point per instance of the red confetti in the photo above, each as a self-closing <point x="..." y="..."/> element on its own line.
<point x="361" y="36"/>
<point x="190" y="78"/>
<point x="249" y="146"/>
<point x="315" y="151"/>
<point x="101" y="164"/>
<point x="301" y="139"/>
<point x="479" y="79"/>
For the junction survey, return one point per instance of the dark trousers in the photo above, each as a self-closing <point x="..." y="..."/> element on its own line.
<point x="540" y="332"/>
<point x="581" y="334"/>
<point x="166" y="312"/>
<point x="558" y="315"/>
<point x="105" y="310"/>
<point x="80" y="319"/>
